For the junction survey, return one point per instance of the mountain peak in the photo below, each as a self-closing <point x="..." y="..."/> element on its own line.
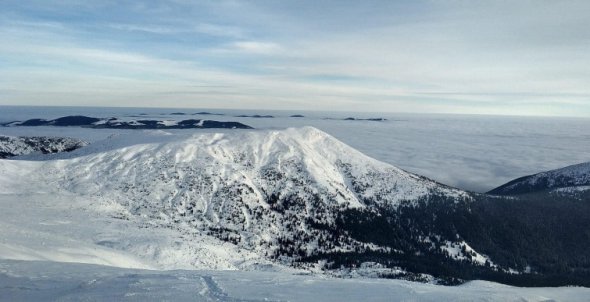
<point x="299" y="155"/>
<point x="253" y="188"/>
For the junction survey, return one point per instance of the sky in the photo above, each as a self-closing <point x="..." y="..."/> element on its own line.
<point x="473" y="57"/>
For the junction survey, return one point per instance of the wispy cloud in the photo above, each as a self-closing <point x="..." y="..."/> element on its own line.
<point x="256" y="47"/>
<point x="220" y="30"/>
<point x="392" y="56"/>
<point x="203" y="28"/>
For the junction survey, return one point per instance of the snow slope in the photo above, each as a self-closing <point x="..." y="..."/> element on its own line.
<point x="571" y="176"/>
<point x="53" y="281"/>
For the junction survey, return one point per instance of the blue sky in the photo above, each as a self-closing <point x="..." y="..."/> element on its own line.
<point x="483" y="57"/>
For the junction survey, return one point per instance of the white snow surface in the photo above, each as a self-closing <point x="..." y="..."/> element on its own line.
<point x="54" y="281"/>
<point x="241" y="157"/>
<point x="454" y="250"/>
<point x="169" y="122"/>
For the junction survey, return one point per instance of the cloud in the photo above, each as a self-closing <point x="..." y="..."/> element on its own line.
<point x="476" y="153"/>
<point x="220" y="30"/>
<point x="147" y="28"/>
<point x="203" y="28"/>
<point x="393" y="56"/>
<point x="256" y="47"/>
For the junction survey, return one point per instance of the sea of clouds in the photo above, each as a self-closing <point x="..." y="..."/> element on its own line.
<point x="472" y="152"/>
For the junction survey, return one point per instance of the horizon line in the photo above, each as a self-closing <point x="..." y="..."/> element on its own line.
<point x="306" y="110"/>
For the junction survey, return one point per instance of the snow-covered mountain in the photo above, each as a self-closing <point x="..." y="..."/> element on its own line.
<point x="289" y="199"/>
<point x="279" y="194"/>
<point x="17" y="145"/>
<point x="575" y="177"/>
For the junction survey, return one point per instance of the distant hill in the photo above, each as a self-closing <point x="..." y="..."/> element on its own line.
<point x="115" y="123"/>
<point x="568" y="177"/>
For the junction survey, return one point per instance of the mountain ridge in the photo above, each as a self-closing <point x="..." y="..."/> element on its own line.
<point x="570" y="176"/>
<point x="117" y="123"/>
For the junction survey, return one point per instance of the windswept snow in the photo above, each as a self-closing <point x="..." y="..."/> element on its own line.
<point x="244" y="156"/>
<point x="63" y="227"/>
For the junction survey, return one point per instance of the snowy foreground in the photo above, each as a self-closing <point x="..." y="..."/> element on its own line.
<point x="37" y="281"/>
<point x="69" y="240"/>
<point x="69" y="249"/>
